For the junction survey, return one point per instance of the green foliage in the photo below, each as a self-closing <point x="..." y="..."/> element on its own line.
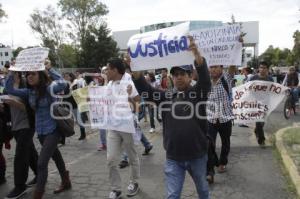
<point x="97" y="48"/>
<point x="68" y="55"/>
<point x="296" y="48"/>
<point x="89" y="43"/>
<point x="277" y="57"/>
<point x="82" y="14"/>
<point x="2" y="13"/>
<point x="17" y="51"/>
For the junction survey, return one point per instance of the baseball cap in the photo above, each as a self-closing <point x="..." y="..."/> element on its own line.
<point x="186" y="68"/>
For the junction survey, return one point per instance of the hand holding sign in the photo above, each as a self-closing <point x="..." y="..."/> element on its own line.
<point x="193" y="47"/>
<point x="31" y="59"/>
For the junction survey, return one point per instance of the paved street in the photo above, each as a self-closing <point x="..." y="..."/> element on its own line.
<point x="253" y="173"/>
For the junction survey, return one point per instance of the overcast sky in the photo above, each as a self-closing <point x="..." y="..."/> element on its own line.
<point x="278" y="19"/>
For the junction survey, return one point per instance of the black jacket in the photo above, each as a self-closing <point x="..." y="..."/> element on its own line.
<point x="184" y="139"/>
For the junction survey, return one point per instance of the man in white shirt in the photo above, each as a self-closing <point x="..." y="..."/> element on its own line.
<point x="115" y="139"/>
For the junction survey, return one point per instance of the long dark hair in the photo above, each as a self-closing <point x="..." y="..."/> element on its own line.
<point x="41" y="88"/>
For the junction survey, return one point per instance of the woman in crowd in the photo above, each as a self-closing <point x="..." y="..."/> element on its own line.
<point x="40" y="96"/>
<point x="22" y="126"/>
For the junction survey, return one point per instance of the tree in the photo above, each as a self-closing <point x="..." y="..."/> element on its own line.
<point x="68" y="55"/>
<point x="82" y="14"/>
<point x="17" y="51"/>
<point x="97" y="48"/>
<point x="2" y="13"/>
<point x="48" y="25"/>
<point x="296" y="48"/>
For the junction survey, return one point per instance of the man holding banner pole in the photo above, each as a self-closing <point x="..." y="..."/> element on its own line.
<point x="184" y="124"/>
<point x="263" y="75"/>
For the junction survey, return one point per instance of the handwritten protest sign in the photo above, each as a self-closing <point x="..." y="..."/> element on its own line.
<point x="31" y="59"/>
<point x="80" y="96"/>
<point x="109" y="110"/>
<point x="220" y="45"/>
<point x="255" y="100"/>
<point x="160" y="49"/>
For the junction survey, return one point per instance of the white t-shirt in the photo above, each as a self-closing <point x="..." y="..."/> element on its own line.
<point x="122" y="85"/>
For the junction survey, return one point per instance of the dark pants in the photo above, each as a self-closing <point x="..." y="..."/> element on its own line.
<point x="49" y="149"/>
<point x="25" y="156"/>
<point x="2" y="163"/>
<point x="224" y="130"/>
<point x="259" y="132"/>
<point x="151" y="115"/>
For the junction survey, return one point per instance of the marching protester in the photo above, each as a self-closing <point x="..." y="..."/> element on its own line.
<point x="117" y="76"/>
<point x="81" y="118"/>
<point x="22" y="126"/>
<point x="152" y="108"/>
<point x="219" y="115"/>
<point x="184" y="139"/>
<point x="138" y="114"/>
<point x="39" y="95"/>
<point x="5" y="136"/>
<point x="263" y="75"/>
<point x="291" y="80"/>
<point x="166" y="82"/>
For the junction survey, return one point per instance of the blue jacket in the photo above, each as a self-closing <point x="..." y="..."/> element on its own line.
<point x="44" y="123"/>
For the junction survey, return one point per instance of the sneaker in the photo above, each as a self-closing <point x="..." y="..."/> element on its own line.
<point x="133" y="189"/>
<point x="147" y="150"/>
<point x="16" y="193"/>
<point x="123" y="164"/>
<point x="115" y="194"/>
<point x="262" y="145"/>
<point x="152" y="130"/>
<point x="32" y="182"/>
<point x="81" y="138"/>
<point x="102" y="147"/>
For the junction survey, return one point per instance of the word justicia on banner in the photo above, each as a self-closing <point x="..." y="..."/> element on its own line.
<point x="162" y="46"/>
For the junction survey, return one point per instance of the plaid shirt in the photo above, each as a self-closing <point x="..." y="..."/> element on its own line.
<point x="218" y="107"/>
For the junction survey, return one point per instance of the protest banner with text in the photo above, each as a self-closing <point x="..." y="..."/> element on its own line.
<point x="109" y="110"/>
<point x="255" y="100"/>
<point x="80" y="96"/>
<point x="160" y="49"/>
<point x="31" y="59"/>
<point x="220" y="45"/>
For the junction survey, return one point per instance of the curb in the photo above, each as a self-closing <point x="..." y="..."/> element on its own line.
<point x="287" y="160"/>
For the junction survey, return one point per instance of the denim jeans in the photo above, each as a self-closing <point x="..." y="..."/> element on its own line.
<point x="49" y="149"/>
<point x="102" y="137"/>
<point x="175" y="175"/>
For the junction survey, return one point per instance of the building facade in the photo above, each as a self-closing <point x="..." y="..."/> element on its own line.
<point x="5" y="55"/>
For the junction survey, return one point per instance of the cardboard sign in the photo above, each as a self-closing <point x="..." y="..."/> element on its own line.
<point x="161" y="48"/>
<point x="31" y="59"/>
<point x="80" y="96"/>
<point x="109" y="111"/>
<point x="220" y="45"/>
<point x="255" y="100"/>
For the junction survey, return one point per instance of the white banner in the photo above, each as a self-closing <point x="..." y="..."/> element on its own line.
<point x="161" y="48"/>
<point x="255" y="100"/>
<point x="31" y="59"/>
<point x="110" y="110"/>
<point x="220" y="45"/>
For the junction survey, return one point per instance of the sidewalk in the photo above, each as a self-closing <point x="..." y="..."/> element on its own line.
<point x="290" y="153"/>
<point x="253" y="173"/>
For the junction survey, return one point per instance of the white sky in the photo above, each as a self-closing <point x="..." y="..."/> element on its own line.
<point x="278" y="19"/>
